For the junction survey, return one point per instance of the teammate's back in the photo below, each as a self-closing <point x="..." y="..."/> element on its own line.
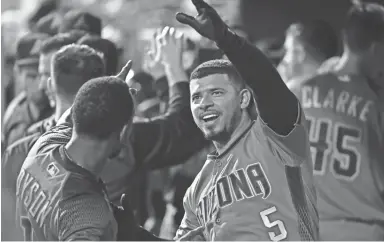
<point x="346" y="131"/>
<point x="57" y="199"/>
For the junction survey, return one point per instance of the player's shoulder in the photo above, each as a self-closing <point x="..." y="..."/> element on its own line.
<point x="22" y="145"/>
<point x="45" y="170"/>
<point x="322" y="78"/>
<point x="18" y="100"/>
<point x="14" y="111"/>
<point x="78" y="184"/>
<point x="21" y="98"/>
<point x="329" y="65"/>
<point x="57" y="135"/>
<point x="41" y="126"/>
<point x="79" y="180"/>
<point x="54" y="172"/>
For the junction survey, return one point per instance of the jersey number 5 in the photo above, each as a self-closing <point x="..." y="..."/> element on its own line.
<point x="270" y="224"/>
<point x="27" y="228"/>
<point x="334" y="142"/>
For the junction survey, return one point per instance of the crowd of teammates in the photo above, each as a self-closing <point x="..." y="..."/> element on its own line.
<point x="246" y="148"/>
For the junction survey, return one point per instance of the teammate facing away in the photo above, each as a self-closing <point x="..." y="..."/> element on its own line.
<point x="346" y="129"/>
<point x="258" y="185"/>
<point x="69" y="199"/>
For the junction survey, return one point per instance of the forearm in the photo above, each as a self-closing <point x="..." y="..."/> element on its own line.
<point x="175" y="74"/>
<point x="168" y="139"/>
<point x="178" y="101"/>
<point x="277" y="105"/>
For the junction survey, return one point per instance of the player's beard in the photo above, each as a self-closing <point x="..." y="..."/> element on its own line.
<point x="223" y="130"/>
<point x="213" y="132"/>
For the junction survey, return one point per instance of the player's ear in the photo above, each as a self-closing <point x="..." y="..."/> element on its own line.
<point x="301" y="54"/>
<point x="50" y="85"/>
<point x="246" y="97"/>
<point x="16" y="69"/>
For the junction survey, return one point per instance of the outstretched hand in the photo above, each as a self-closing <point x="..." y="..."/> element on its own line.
<point x="171" y="47"/>
<point x="208" y="23"/>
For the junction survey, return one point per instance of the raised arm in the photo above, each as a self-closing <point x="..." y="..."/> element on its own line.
<point x="173" y="137"/>
<point x="277" y="106"/>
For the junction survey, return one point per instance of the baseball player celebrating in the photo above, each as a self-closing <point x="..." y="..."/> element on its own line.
<point x="258" y="184"/>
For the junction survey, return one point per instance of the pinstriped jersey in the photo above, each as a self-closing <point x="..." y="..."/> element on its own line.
<point x="259" y="188"/>
<point x="346" y="130"/>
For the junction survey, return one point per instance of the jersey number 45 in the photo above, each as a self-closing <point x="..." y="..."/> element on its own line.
<point x="336" y="143"/>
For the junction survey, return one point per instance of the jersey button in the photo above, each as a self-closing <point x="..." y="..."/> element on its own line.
<point x="219" y="164"/>
<point x="218" y="220"/>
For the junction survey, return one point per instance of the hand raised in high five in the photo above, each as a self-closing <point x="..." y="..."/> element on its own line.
<point x="152" y="63"/>
<point x="171" y="47"/>
<point x="208" y="23"/>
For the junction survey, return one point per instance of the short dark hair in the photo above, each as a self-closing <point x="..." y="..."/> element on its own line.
<point x="102" y="107"/>
<point x="56" y="42"/>
<point x="219" y="66"/>
<point x="73" y="65"/>
<point x="364" y="26"/>
<point x="318" y="38"/>
<point x="106" y="47"/>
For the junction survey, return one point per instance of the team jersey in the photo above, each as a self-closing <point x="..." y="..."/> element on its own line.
<point x="345" y="120"/>
<point x="58" y="200"/>
<point x="148" y="143"/>
<point x="259" y="188"/>
<point x="12" y="160"/>
<point x="18" y="117"/>
<point x="16" y="153"/>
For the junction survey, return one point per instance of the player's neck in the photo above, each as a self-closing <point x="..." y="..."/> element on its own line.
<point x="349" y="64"/>
<point x="86" y="154"/>
<point x="298" y="80"/>
<point x="61" y="107"/>
<point x="34" y="110"/>
<point x="223" y="144"/>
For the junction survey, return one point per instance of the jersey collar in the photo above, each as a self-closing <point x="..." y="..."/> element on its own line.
<point x="236" y="138"/>
<point x="71" y="166"/>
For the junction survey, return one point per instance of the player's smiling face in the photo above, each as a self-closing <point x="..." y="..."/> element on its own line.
<point x="215" y="105"/>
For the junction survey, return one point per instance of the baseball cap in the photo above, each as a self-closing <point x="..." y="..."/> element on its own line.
<point x="81" y="20"/>
<point x="28" y="48"/>
<point x="49" y="24"/>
